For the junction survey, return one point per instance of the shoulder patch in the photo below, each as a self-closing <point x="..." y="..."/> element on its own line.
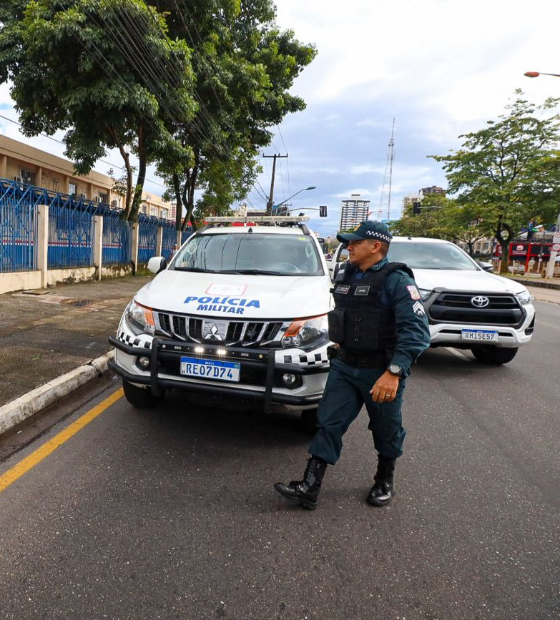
<point x="413" y="291"/>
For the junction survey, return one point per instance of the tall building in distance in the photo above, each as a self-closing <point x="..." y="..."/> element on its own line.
<point x="353" y="211"/>
<point x="430" y="190"/>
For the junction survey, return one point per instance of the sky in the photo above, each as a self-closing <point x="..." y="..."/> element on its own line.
<point x="440" y="68"/>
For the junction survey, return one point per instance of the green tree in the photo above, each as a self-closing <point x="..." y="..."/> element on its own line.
<point x="427" y="223"/>
<point x="509" y="169"/>
<point x="442" y="218"/>
<point x="106" y="73"/>
<point x="244" y="68"/>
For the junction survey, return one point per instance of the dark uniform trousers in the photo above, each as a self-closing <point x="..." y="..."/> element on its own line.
<point x="347" y="390"/>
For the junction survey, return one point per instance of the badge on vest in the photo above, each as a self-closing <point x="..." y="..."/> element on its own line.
<point x="342" y="289"/>
<point x="361" y="290"/>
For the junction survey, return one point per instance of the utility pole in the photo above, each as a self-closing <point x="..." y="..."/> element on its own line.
<point x="270" y="202"/>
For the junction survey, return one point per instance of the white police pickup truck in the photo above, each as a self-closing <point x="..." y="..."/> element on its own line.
<point x="240" y="312"/>
<point x="468" y="308"/>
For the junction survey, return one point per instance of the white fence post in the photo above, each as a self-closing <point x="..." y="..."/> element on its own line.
<point x="135" y="243"/>
<point x="98" y="244"/>
<point x="159" y="241"/>
<point x="43" y="243"/>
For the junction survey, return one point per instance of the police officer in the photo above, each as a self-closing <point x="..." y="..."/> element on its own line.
<point x="380" y="327"/>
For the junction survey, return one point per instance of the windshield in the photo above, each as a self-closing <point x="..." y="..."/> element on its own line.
<point x="251" y="253"/>
<point x="431" y="256"/>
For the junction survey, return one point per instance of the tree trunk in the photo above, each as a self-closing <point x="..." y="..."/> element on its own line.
<point x="188" y="195"/>
<point x="179" y="211"/>
<point x="126" y="158"/>
<point x="504" y="235"/>
<point x="142" y="165"/>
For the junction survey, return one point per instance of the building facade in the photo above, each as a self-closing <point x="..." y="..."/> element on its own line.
<point x="353" y="211"/>
<point x="26" y="164"/>
<point x="434" y="189"/>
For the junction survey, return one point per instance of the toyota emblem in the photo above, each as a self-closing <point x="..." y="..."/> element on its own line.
<point x="480" y="301"/>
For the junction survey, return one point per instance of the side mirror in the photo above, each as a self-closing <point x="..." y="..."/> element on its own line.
<point x="486" y="267"/>
<point x="157" y="264"/>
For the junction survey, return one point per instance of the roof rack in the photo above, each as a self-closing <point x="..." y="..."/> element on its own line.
<point x="271" y="220"/>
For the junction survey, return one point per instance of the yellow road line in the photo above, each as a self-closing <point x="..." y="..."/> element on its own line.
<point x="17" y="471"/>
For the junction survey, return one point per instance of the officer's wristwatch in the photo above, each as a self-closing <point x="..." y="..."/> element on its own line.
<point x="395" y="370"/>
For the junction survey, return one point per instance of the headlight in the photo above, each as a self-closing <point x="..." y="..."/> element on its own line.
<point x="524" y="297"/>
<point x="307" y="334"/>
<point x="425" y="293"/>
<point x="139" y="318"/>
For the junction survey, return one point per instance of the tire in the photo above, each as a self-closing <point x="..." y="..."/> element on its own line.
<point x="494" y="355"/>
<point x="308" y="420"/>
<point x="141" y="398"/>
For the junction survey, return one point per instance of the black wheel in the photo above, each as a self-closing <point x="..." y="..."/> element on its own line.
<point x="494" y="355"/>
<point x="141" y="398"/>
<point x="309" y="420"/>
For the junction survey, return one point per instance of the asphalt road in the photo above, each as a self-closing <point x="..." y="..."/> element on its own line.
<point x="171" y="513"/>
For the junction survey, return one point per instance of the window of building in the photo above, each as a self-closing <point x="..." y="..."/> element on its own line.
<point x="72" y="189"/>
<point x="27" y="176"/>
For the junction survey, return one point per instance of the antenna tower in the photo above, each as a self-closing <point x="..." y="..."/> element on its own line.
<point x="385" y="199"/>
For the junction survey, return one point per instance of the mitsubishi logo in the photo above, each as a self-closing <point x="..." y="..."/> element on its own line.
<point x="213" y="334"/>
<point x="480" y="301"/>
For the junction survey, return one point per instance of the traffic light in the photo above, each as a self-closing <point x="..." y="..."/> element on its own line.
<point x="416" y="208"/>
<point x="323" y="211"/>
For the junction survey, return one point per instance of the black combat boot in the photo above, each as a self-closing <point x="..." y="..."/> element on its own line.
<point x="305" y="492"/>
<point x="383" y="490"/>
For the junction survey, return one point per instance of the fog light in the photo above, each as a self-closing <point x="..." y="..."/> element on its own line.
<point x="199" y="349"/>
<point x="221" y="351"/>
<point x="144" y="362"/>
<point x="288" y="378"/>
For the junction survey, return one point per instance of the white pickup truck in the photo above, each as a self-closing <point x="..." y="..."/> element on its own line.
<point x="239" y="312"/>
<point x="468" y="308"/>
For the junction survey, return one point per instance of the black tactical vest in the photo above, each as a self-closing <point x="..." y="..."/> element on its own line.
<point x="359" y="322"/>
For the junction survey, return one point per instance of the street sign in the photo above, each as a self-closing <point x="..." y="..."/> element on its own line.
<point x="556" y="247"/>
<point x="556" y="237"/>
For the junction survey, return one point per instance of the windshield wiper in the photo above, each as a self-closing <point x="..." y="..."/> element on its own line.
<point x="195" y="269"/>
<point x="256" y="272"/>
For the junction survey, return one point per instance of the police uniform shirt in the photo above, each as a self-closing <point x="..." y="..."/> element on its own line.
<point x="401" y="294"/>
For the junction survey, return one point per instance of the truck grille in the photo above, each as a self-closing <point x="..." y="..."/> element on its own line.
<point x="236" y="333"/>
<point x="452" y="307"/>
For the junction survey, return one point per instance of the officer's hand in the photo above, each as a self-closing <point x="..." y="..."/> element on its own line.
<point x="385" y="388"/>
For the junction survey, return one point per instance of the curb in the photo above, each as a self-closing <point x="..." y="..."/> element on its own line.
<point x="552" y="285"/>
<point x="31" y="403"/>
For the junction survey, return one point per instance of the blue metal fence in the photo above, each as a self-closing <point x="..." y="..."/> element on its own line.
<point x="169" y="241"/>
<point x="18" y="232"/>
<point x="147" y="237"/>
<point x="117" y="240"/>
<point x="70" y="237"/>
<point x="185" y="235"/>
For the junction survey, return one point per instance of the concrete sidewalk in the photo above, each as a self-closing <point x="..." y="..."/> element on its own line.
<point x="45" y="334"/>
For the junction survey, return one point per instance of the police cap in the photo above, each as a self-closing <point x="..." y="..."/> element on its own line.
<point x="369" y="229"/>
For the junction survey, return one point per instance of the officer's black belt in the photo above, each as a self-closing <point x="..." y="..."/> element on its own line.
<point x="377" y="359"/>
